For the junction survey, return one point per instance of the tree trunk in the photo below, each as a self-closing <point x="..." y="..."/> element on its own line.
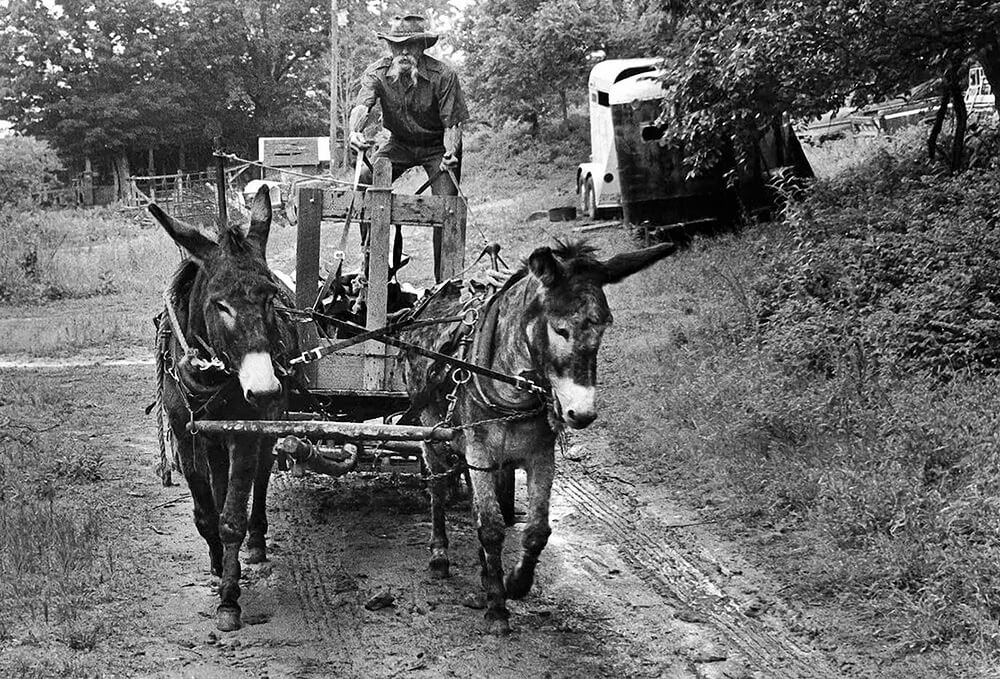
<point x="565" y="105"/>
<point x="942" y="112"/>
<point x="961" y="122"/>
<point x="121" y="171"/>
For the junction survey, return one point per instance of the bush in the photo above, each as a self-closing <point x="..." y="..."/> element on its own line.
<point x="900" y="264"/>
<point x="26" y="166"/>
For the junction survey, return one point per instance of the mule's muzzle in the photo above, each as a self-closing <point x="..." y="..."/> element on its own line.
<point x="258" y="398"/>
<point x="257" y="379"/>
<point x="579" y="419"/>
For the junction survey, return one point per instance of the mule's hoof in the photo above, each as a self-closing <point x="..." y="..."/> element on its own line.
<point x="476" y="600"/>
<point x="256" y="555"/>
<point x="228" y="619"/>
<point x="517" y="584"/>
<point x="440" y="567"/>
<point x="498" y="628"/>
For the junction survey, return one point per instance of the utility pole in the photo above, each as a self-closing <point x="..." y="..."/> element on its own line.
<point x="334" y="67"/>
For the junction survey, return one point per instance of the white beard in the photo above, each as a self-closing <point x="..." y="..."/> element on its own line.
<point x="396" y="70"/>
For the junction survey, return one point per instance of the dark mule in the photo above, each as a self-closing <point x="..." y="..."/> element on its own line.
<point x="224" y="306"/>
<point x="545" y="323"/>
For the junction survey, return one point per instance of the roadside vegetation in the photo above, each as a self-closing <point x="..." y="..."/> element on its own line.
<point x="828" y="389"/>
<point x="58" y="559"/>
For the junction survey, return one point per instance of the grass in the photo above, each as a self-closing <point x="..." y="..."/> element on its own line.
<point x="52" y="546"/>
<point x="856" y="459"/>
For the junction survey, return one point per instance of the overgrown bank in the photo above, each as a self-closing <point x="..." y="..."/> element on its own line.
<point x="827" y="386"/>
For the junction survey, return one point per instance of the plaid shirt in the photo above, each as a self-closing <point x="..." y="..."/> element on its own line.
<point x="415" y="115"/>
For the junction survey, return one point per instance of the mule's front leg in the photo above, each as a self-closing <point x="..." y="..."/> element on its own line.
<point x="490" y="525"/>
<point x="536" y="528"/>
<point x="256" y="542"/>
<point x="437" y="488"/>
<point x="193" y="452"/>
<point x="233" y="529"/>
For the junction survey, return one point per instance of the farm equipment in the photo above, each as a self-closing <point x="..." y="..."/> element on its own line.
<point x="343" y="416"/>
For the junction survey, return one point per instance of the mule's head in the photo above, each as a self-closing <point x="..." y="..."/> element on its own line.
<point x="568" y="318"/>
<point x="232" y="302"/>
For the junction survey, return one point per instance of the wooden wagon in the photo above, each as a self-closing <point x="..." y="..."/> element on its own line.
<point x="358" y="390"/>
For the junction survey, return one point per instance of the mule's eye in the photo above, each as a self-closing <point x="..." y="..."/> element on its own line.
<point x="224" y="308"/>
<point x="562" y="332"/>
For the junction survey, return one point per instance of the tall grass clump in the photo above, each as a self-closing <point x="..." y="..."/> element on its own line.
<point x="54" y="552"/>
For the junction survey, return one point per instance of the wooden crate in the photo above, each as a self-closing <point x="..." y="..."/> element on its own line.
<point x="369" y="371"/>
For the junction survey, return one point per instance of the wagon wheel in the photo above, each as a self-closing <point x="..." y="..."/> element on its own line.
<point x="504" y="484"/>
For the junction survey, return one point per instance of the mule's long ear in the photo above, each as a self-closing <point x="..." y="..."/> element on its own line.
<point x="545" y="266"/>
<point x="189" y="237"/>
<point x="260" y="218"/>
<point x="620" y="267"/>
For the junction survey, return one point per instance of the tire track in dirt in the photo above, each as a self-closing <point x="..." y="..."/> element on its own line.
<point x="646" y="547"/>
<point x="310" y="573"/>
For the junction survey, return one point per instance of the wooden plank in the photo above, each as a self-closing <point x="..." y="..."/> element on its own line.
<point x="336" y="203"/>
<point x="310" y="212"/>
<point x="406" y="209"/>
<point x="325" y="429"/>
<point x="453" y="237"/>
<point x="378" y="210"/>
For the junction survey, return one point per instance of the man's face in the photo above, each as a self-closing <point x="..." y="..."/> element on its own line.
<point x="405" y="55"/>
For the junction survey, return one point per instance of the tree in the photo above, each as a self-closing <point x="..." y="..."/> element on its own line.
<point x="523" y="57"/>
<point x="265" y="59"/>
<point x="84" y="76"/>
<point x="733" y="66"/>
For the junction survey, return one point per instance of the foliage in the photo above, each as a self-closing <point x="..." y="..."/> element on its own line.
<point x="523" y="59"/>
<point x="898" y="263"/>
<point x="89" y="76"/>
<point x="26" y="166"/>
<point x="733" y="65"/>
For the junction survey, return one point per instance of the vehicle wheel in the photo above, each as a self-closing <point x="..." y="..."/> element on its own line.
<point x="588" y="199"/>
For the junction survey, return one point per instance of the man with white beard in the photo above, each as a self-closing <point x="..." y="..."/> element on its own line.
<point x="422" y="107"/>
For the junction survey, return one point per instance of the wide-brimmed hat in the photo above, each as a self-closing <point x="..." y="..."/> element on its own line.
<point x="410" y="27"/>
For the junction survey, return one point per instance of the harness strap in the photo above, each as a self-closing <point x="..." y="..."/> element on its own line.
<point x="484" y="351"/>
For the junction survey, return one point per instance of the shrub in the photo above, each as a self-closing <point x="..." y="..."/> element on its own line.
<point x="900" y="264"/>
<point x="26" y="166"/>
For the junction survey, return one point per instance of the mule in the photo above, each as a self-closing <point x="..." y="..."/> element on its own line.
<point x="224" y="305"/>
<point x="546" y="323"/>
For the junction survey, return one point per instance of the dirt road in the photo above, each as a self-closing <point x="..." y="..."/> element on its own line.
<point x="627" y="587"/>
<point x="631" y="584"/>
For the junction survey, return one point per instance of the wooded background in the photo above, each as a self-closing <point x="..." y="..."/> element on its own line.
<point x="143" y="84"/>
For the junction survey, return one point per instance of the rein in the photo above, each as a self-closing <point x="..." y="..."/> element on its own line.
<point x="383" y="335"/>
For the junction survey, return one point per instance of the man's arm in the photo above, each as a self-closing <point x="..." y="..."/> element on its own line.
<point x="358" y="121"/>
<point x="368" y="94"/>
<point x="452" y="146"/>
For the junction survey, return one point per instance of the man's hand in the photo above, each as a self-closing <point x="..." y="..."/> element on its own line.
<point x="449" y="162"/>
<point x="359" y="142"/>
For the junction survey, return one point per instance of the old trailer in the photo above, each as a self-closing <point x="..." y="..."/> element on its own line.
<point x="632" y="171"/>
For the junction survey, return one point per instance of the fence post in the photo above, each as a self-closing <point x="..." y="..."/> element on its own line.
<point x="220" y="185"/>
<point x="87" y="187"/>
<point x="178" y="187"/>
